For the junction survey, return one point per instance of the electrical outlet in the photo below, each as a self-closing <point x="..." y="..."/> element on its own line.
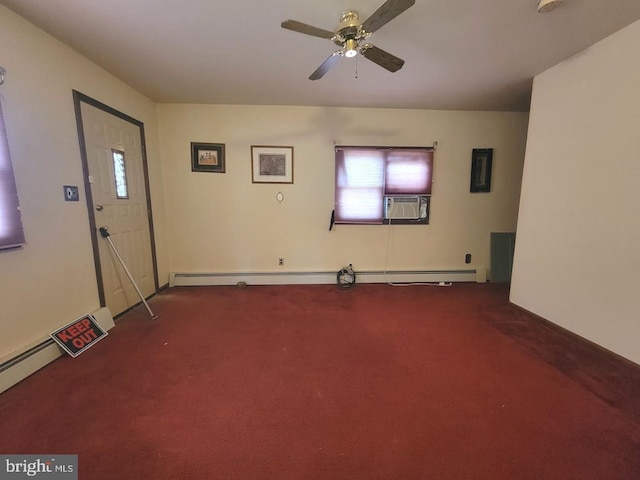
<point x="281" y="261"/>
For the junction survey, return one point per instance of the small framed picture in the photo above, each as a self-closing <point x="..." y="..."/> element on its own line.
<point x="207" y="157"/>
<point x="271" y="164"/>
<point x="481" y="160"/>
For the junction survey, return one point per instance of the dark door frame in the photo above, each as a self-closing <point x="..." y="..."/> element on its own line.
<point x="78" y="99"/>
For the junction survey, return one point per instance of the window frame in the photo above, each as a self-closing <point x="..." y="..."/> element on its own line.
<point x="125" y="180"/>
<point x="9" y="201"/>
<point x="387" y="153"/>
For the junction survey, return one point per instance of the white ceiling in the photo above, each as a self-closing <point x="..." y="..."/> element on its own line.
<point x="459" y="54"/>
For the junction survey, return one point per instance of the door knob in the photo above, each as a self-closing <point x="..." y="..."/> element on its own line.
<point x="99" y="208"/>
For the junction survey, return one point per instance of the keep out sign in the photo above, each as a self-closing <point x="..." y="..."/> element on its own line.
<point x="79" y="335"/>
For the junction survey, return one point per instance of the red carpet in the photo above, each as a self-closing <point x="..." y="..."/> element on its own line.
<point x="312" y="382"/>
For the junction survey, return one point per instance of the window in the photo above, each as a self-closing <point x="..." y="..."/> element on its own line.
<point x="120" y="172"/>
<point x="366" y="175"/>
<point x="11" y="233"/>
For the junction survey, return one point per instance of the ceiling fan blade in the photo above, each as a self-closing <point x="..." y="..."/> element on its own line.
<point x="306" y="29"/>
<point x="382" y="58"/>
<point x="385" y="13"/>
<point x="326" y="66"/>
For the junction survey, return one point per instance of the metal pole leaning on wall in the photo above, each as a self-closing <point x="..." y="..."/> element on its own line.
<point x="105" y="234"/>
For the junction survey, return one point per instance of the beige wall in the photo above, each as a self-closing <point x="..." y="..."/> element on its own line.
<point x="224" y="223"/>
<point x="577" y="259"/>
<point x="51" y="281"/>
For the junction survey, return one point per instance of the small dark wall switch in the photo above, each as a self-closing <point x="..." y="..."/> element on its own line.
<point x="71" y="193"/>
<point x="467" y="258"/>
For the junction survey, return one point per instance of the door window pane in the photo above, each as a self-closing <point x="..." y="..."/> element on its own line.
<point x="120" y="172"/>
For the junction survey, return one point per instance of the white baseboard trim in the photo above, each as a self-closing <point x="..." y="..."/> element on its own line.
<point x="19" y="365"/>
<point x="181" y="279"/>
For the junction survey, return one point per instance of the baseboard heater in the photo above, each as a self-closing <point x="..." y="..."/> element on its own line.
<point x="18" y="366"/>
<point x="474" y="274"/>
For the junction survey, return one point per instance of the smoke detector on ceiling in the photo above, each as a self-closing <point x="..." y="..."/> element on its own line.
<point x="545" y="6"/>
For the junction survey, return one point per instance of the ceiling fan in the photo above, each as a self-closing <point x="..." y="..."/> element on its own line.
<point x="351" y="36"/>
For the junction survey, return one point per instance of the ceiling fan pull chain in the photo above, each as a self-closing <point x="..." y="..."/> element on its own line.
<point x="356" y="66"/>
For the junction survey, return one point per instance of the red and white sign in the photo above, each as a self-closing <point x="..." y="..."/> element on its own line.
<point x="77" y="336"/>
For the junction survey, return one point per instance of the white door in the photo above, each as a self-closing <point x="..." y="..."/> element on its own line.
<point x="118" y="189"/>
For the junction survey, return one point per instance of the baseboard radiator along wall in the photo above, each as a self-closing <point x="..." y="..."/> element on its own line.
<point x="474" y="274"/>
<point x="18" y="366"/>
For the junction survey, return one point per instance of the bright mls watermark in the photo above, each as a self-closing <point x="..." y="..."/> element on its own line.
<point x="51" y="467"/>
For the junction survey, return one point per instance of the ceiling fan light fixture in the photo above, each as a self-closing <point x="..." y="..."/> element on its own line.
<point x="545" y="6"/>
<point x="350" y="48"/>
<point x="350" y="36"/>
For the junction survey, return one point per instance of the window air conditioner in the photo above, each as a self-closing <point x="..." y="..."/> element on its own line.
<point x="402" y="208"/>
